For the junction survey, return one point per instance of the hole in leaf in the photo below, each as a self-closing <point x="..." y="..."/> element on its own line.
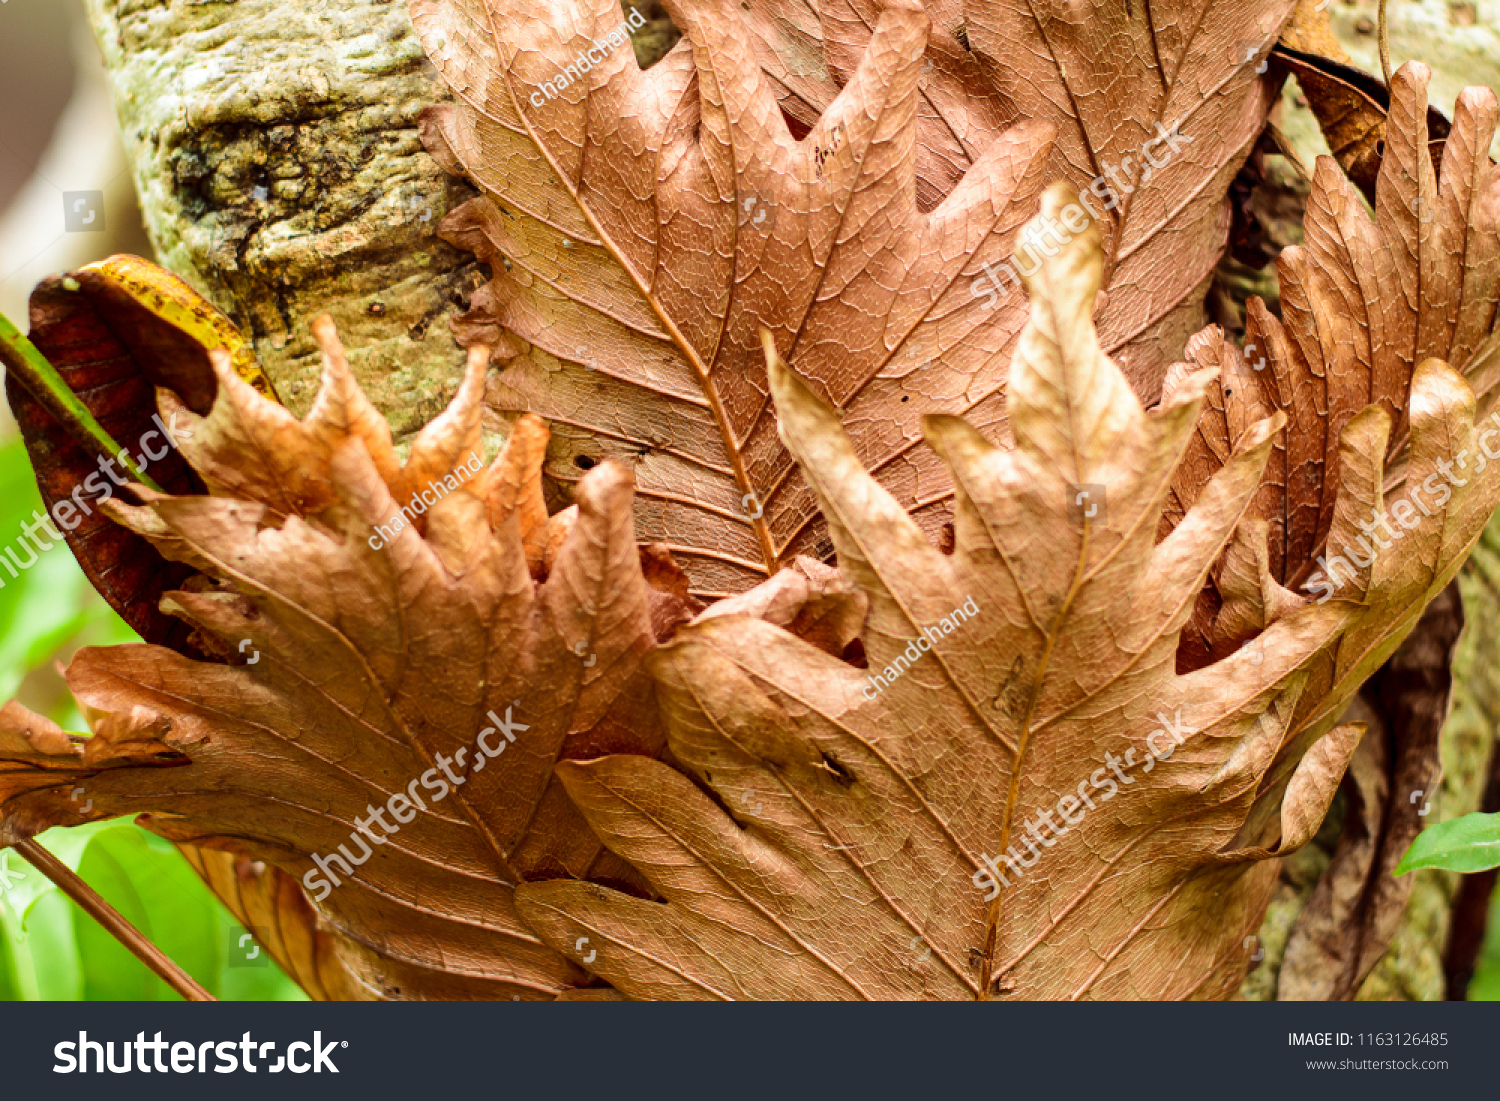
<point x="796" y="127"/>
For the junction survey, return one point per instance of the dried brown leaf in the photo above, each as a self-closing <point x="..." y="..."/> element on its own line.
<point x="643" y="226"/>
<point x="844" y="851"/>
<point x="1110" y="81"/>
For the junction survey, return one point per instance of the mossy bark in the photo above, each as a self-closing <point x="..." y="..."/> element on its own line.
<point x="275" y="152"/>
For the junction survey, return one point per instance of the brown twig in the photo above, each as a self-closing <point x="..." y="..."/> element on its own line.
<point x="1384" y="41"/>
<point x="69" y="883"/>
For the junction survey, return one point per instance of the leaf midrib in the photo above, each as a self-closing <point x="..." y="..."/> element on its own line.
<point x="721" y="418"/>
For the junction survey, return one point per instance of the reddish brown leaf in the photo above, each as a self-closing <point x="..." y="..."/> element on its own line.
<point x="116" y="331"/>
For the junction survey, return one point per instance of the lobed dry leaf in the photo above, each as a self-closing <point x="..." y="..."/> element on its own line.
<point x="643" y="226"/>
<point x="374" y="649"/>
<point x="843" y="852"/>
<point x="371" y="671"/>
<point x="1110" y="80"/>
<point x="1365" y="301"/>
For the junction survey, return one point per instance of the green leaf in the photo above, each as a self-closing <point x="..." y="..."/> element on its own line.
<point x="67" y="844"/>
<point x="10" y="990"/>
<point x="1467" y="844"/>
<point x="1485" y="985"/>
<point x="51" y="949"/>
<point x="183" y="914"/>
<point x="45" y="956"/>
<point x="110" y="971"/>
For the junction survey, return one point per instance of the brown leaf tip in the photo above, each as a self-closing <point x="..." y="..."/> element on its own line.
<point x="1063" y="218"/>
<point x="39" y="732"/>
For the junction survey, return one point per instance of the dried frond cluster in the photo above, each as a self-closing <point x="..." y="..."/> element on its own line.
<point x="758" y="346"/>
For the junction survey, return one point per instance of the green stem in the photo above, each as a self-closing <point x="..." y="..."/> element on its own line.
<point x="30" y="367"/>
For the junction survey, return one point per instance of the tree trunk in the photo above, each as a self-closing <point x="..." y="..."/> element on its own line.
<point x="275" y="151"/>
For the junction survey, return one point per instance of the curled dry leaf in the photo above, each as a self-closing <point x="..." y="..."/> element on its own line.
<point x="116" y="331"/>
<point x="846" y="851"/>
<point x="642" y="227"/>
<point x="1372" y="308"/>
<point x="1385" y="592"/>
<point x="1364" y="302"/>
<point x="1350" y="104"/>
<point x="381" y="649"/>
<point x="1406" y="570"/>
